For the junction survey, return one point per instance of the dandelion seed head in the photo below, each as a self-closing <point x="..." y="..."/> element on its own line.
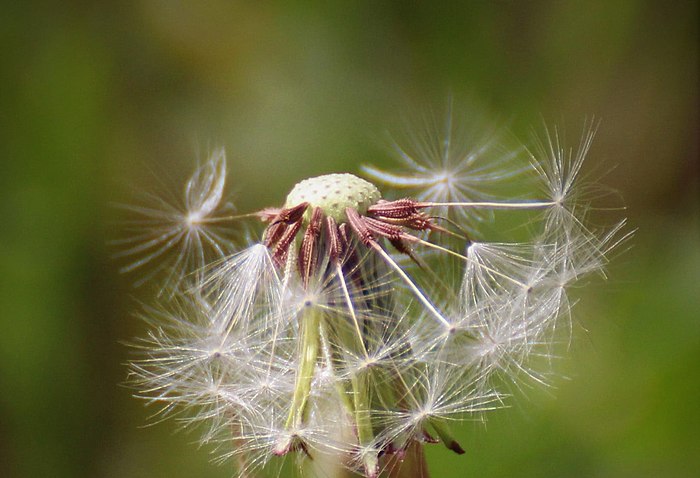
<point x="359" y="327"/>
<point x="334" y="193"/>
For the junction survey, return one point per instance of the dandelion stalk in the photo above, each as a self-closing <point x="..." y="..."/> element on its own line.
<point x="362" y="402"/>
<point x="309" y="346"/>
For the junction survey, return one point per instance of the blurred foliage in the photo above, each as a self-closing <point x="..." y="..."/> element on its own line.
<point x="96" y="95"/>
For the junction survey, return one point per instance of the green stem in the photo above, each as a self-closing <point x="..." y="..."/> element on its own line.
<point x="334" y="359"/>
<point x="363" y="421"/>
<point x="444" y="433"/>
<point x="309" y="346"/>
<point x="359" y="402"/>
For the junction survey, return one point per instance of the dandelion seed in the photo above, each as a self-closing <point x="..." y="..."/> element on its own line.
<point x="452" y="163"/>
<point x="183" y="236"/>
<point x="362" y="328"/>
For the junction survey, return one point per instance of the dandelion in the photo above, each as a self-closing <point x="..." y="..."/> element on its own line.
<point x="362" y="327"/>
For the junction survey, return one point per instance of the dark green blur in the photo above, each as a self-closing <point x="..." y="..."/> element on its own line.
<point x="96" y="96"/>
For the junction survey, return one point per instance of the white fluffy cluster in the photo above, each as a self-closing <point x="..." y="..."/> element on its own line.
<point x="394" y="363"/>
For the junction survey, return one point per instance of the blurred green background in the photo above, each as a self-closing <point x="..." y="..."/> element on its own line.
<point x="95" y="96"/>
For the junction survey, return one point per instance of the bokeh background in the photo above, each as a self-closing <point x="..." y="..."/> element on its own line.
<point x="95" y="96"/>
